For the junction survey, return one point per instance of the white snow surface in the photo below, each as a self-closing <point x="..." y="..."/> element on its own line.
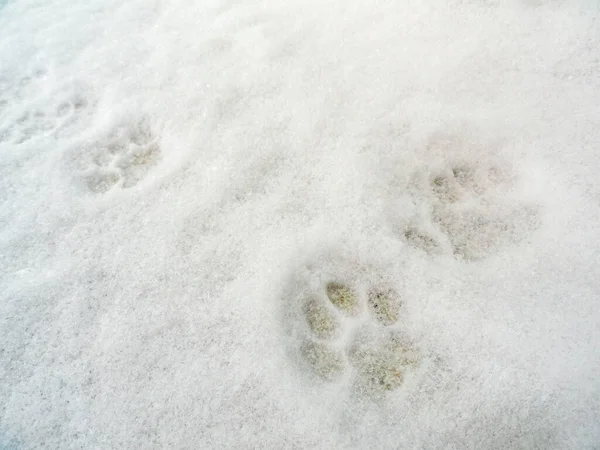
<point x="176" y="176"/>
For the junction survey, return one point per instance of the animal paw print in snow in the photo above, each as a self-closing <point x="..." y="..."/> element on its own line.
<point x="124" y="159"/>
<point x="42" y="118"/>
<point x="470" y="214"/>
<point x="377" y="356"/>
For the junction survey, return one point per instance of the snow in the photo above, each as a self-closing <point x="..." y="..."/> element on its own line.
<point x="177" y="179"/>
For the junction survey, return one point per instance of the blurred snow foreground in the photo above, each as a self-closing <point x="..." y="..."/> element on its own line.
<point x="303" y="224"/>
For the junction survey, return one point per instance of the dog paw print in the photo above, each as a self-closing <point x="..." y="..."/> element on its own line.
<point x="471" y="209"/>
<point x="348" y="334"/>
<point x="124" y="159"/>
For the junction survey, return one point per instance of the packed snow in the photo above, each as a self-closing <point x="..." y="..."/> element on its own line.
<point x="299" y="225"/>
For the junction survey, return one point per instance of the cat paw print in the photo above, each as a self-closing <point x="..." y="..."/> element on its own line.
<point x="45" y="121"/>
<point x="29" y="111"/>
<point x="353" y="335"/>
<point x="123" y="159"/>
<point x="468" y="207"/>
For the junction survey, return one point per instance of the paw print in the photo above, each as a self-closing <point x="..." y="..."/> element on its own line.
<point x="124" y="159"/>
<point x="346" y="334"/>
<point x="468" y="207"/>
<point x="384" y="306"/>
<point x="382" y="360"/>
<point x="36" y="114"/>
<point x="46" y="121"/>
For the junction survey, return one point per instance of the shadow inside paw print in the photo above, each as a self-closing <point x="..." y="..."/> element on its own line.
<point x="124" y="159"/>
